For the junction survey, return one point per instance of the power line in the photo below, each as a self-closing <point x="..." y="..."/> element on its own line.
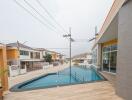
<point x="41" y="15"/>
<point x="77" y="40"/>
<point x="81" y="40"/>
<point x="44" y="8"/>
<point x="56" y="48"/>
<point x="28" y="11"/>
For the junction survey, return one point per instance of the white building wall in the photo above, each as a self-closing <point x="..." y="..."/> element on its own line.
<point x="22" y="57"/>
<point x="124" y="58"/>
<point x="41" y="54"/>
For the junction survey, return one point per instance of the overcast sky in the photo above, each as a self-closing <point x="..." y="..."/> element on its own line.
<point x="81" y="15"/>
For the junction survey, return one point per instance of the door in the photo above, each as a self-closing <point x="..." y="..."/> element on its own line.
<point x="106" y="61"/>
<point x="113" y="60"/>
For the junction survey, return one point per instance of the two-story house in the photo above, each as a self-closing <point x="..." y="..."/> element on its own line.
<point x="24" y="56"/>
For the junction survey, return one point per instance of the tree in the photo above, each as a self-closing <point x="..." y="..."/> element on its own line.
<point x="48" y="58"/>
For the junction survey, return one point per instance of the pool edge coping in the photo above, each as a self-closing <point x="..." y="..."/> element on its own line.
<point x="15" y="88"/>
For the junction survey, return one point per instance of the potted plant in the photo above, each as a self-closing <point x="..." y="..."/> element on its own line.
<point x="1" y="89"/>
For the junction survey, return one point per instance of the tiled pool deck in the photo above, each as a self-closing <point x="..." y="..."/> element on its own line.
<point x="90" y="91"/>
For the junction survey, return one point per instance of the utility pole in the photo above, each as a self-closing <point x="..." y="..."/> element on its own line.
<point x="96" y="34"/>
<point x="70" y="52"/>
<point x="96" y="31"/>
<point x="18" y="48"/>
<point x="70" y="41"/>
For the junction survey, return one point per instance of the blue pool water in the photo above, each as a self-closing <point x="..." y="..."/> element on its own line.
<point x="78" y="75"/>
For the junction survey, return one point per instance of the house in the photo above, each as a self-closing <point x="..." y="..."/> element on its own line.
<point x="3" y="68"/>
<point x="85" y="58"/>
<point x="42" y="51"/>
<point x="112" y="47"/>
<point x="24" y="56"/>
<point x="56" y="56"/>
<point x="53" y="55"/>
<point x="61" y="58"/>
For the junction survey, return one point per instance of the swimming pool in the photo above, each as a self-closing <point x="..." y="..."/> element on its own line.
<point x="78" y="75"/>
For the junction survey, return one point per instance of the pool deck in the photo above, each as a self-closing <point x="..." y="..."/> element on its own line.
<point x="21" y="78"/>
<point x="90" y="91"/>
<point x="110" y="77"/>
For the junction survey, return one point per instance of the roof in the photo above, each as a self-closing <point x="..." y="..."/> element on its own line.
<point x="83" y="55"/>
<point x="2" y="45"/>
<point x="54" y="52"/>
<point x="111" y="15"/>
<point x="41" y="49"/>
<point x="20" y="45"/>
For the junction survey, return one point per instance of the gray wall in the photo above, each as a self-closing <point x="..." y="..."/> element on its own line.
<point x="124" y="63"/>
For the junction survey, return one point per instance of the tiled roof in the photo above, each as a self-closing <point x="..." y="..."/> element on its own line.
<point x="20" y="45"/>
<point x="41" y="49"/>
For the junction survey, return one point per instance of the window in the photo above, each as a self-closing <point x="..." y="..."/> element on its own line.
<point x="109" y="58"/>
<point x="31" y="54"/>
<point x="24" y="53"/>
<point x="113" y="60"/>
<point x="37" y="55"/>
<point x="114" y="47"/>
<point x="21" y="52"/>
<point x="106" y="49"/>
<point x="106" y="61"/>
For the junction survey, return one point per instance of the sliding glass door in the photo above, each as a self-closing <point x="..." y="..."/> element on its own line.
<point x="106" y="61"/>
<point x="109" y="58"/>
<point x="113" y="61"/>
